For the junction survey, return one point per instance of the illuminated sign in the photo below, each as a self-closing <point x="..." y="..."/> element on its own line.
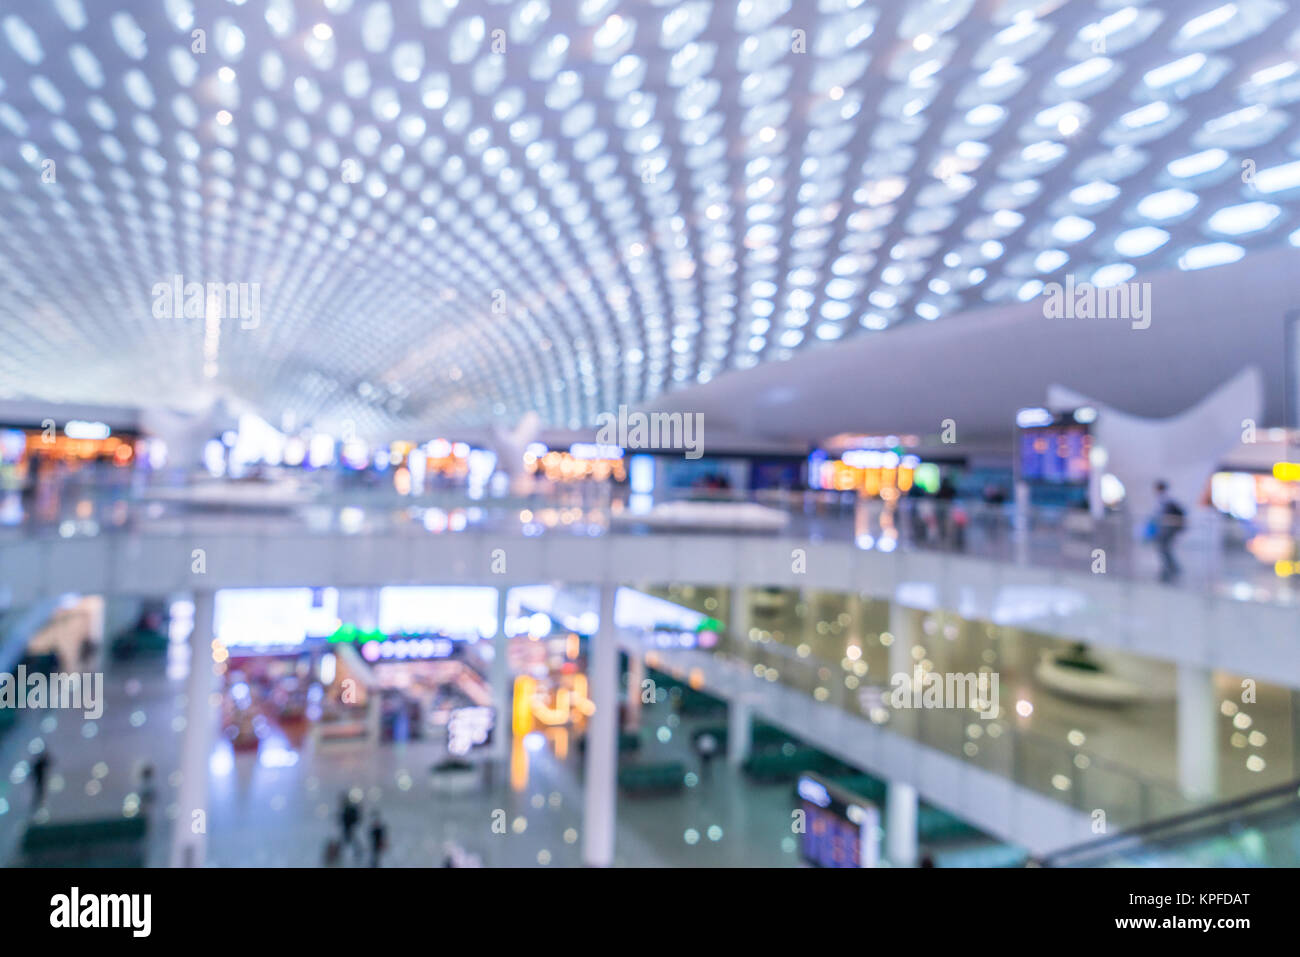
<point x="77" y="429"/>
<point x="590" y="450"/>
<point x="461" y="611"/>
<point x="378" y="646"/>
<point x="279" y="617"/>
<point x="468" y="728"/>
<point x="1034" y="418"/>
<point x="407" y="649"/>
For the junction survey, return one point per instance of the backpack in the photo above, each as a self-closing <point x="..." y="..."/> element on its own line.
<point x="1175" y="519"/>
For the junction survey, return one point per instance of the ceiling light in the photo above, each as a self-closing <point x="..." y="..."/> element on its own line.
<point x="1275" y="179"/>
<point x="1140" y="241"/>
<point x="1243" y="218"/>
<point x="1186" y="167"/>
<point x="1210" y="254"/>
<point x="1167" y="204"/>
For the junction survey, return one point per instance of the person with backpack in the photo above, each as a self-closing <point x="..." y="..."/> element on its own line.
<point x="1167" y="522"/>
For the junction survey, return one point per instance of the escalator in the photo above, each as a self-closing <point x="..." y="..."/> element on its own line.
<point x="1259" y="830"/>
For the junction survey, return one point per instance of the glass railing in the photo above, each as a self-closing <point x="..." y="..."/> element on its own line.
<point x="1260" y="830"/>
<point x="1212" y="551"/>
<point x="1072" y="775"/>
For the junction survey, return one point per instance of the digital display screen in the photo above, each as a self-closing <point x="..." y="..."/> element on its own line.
<point x="1056" y="453"/>
<point x="461" y="612"/>
<point x="835" y="826"/>
<point x="274" y="617"/>
<point x="830" y="840"/>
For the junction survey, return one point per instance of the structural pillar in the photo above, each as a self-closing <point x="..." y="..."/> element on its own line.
<point x="503" y="689"/>
<point x="740" y="623"/>
<point x="1198" y="751"/>
<point x="374" y="715"/>
<point x="740" y="730"/>
<point x="189" y="840"/>
<point x="600" y="789"/>
<point x="900" y="824"/>
<point x="635" y="676"/>
<point x="903" y="626"/>
<point x="1020" y="523"/>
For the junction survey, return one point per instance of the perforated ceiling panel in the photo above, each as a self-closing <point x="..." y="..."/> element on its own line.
<point x="445" y="214"/>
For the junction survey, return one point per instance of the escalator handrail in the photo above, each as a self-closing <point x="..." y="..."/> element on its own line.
<point x="1291" y="789"/>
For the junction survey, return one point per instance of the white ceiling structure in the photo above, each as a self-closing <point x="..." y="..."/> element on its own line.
<point x="1206" y="327"/>
<point x="451" y="213"/>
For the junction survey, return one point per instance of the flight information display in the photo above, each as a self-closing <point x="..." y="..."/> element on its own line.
<point x="1055" y="452"/>
<point x="838" y="831"/>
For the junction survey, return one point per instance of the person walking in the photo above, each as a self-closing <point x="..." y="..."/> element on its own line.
<point x="1166" y="524"/>
<point x="378" y="839"/>
<point x="40" y="768"/>
<point x="349" y="818"/>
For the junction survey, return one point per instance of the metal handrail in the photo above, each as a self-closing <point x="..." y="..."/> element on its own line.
<point x="1288" y="793"/>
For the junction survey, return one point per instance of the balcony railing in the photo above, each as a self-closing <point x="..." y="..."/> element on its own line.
<point x="1212" y="551"/>
<point x="1073" y="775"/>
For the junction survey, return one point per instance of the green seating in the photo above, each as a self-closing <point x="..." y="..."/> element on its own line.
<point x="787" y="763"/>
<point x="764" y="736"/>
<point x="627" y="741"/>
<point x="136" y="642"/>
<point x="933" y="825"/>
<point x="108" y="842"/>
<point x="871" y="788"/>
<point x="687" y="700"/>
<point x="693" y="702"/>
<point x="664" y="778"/>
<point x="45" y="663"/>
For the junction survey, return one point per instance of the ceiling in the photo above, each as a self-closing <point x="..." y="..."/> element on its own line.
<point x="444" y="215"/>
<point x="1206" y="327"/>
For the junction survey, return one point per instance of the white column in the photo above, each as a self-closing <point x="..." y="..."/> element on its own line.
<point x="600" y="789"/>
<point x="189" y="840"/>
<point x="1198" y="751"/>
<point x="855" y="607"/>
<point x="740" y="730"/>
<point x="903" y="626"/>
<point x="502" y="686"/>
<point x="374" y="714"/>
<point x="635" y="675"/>
<point x="1020" y="523"/>
<point x="740" y="623"/>
<point x="900" y="824"/>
